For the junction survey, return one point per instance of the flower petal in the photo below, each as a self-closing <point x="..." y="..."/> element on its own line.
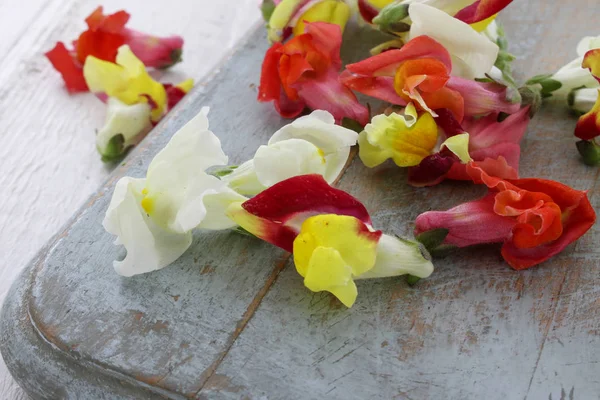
<point x="482" y="98"/>
<point x="397" y="256"/>
<point x="470" y="223"/>
<point x="591" y="61"/>
<point x="149" y="246"/>
<point x="132" y="122"/>
<point x="276" y="214"/>
<point x="386" y="63"/>
<point x="588" y="126"/>
<point x="481" y="10"/>
<point x="153" y="51"/>
<point x="473" y="55"/>
<point x="71" y="71"/>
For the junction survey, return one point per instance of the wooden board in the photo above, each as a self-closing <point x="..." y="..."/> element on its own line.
<point x="231" y="318"/>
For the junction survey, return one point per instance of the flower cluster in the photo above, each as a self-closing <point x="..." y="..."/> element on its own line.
<point x="448" y="108"/>
<point x="329" y="232"/>
<point x="110" y="60"/>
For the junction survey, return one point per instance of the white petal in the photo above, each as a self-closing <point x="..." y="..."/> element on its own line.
<point x="149" y="247"/>
<point x="176" y="181"/>
<point x="397" y="256"/>
<point x="448" y="6"/>
<point x="473" y="55"/>
<point x="583" y="100"/>
<point x="244" y="180"/>
<point x="203" y="205"/>
<point x="131" y="121"/>
<point x="588" y="43"/>
<point x="282" y="160"/>
<point x="318" y="128"/>
<point x="216" y="206"/>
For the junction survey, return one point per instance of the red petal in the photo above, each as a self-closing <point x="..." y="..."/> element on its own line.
<point x="448" y="123"/>
<point x="71" y="71"/>
<point x="446" y="98"/>
<point x="387" y="62"/>
<point x="174" y="95"/>
<point x="432" y="169"/>
<point x="367" y="11"/>
<point x="480" y="10"/>
<point x="380" y="87"/>
<point x="112" y="23"/>
<point x="327" y="39"/>
<point x="270" y="84"/>
<point x="588" y="126"/>
<point x="285" y="205"/>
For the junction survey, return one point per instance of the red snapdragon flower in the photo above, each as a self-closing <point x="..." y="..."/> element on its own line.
<point x="102" y="39"/>
<point x="420" y="72"/>
<point x="304" y="72"/>
<point x="534" y="219"/>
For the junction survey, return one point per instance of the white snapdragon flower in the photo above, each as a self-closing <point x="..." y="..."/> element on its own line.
<point x="154" y="217"/>
<point x="312" y="144"/>
<point x="573" y="76"/>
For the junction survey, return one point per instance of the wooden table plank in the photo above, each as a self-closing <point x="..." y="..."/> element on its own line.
<point x="475" y="328"/>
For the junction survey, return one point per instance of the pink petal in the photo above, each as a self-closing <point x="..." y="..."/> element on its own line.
<point x="486" y="132"/>
<point x="154" y="51"/>
<point x="329" y="94"/>
<point x="470" y="223"/>
<point x="492" y="166"/>
<point x="482" y="98"/>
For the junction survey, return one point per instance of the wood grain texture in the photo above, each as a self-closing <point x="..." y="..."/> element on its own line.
<point x="231" y="318"/>
<point x="48" y="159"/>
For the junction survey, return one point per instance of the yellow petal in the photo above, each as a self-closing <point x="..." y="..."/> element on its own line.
<point x="459" y="145"/>
<point x="328" y="271"/>
<point x="186" y="85"/>
<point x="331" y="11"/>
<point x="348" y="235"/>
<point x="405" y="139"/>
<point x="127" y="80"/>
<point x="483" y="24"/>
<point x="103" y="76"/>
<point x="379" y="3"/>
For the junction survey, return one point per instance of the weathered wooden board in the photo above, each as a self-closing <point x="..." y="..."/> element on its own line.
<point x="231" y="318"/>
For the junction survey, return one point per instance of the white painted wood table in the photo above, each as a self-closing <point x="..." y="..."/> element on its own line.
<point x="48" y="161"/>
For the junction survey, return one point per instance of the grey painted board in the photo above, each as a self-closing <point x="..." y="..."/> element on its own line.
<point x="231" y="318"/>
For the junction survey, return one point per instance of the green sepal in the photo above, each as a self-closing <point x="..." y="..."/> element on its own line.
<point x="390" y="18"/>
<point x="412" y="280"/>
<point x="433" y="238"/>
<point x="266" y="8"/>
<point x="223" y="171"/>
<point x="548" y="84"/>
<point x="532" y="96"/>
<point x="590" y="152"/>
<point x="114" y="150"/>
